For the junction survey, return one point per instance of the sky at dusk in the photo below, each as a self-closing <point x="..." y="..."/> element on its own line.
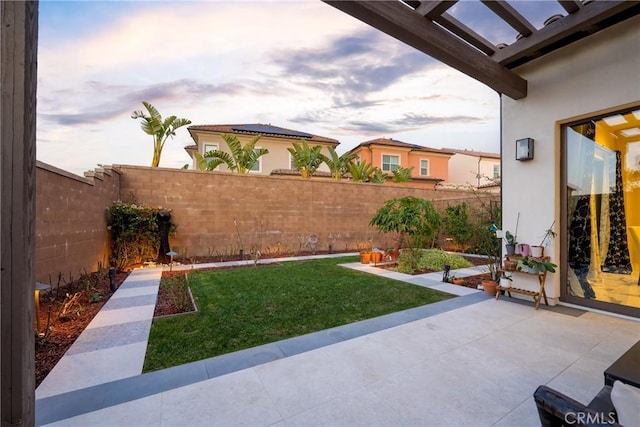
<point x="299" y="64"/>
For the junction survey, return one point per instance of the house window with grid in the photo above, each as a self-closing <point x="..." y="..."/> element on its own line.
<point x="496" y="171"/>
<point x="209" y="147"/>
<point x="390" y="163"/>
<point x="424" y="167"/>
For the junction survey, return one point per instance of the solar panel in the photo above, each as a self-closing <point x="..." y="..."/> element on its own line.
<point x="270" y="130"/>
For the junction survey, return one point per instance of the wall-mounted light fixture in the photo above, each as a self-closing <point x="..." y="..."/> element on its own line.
<point x="524" y="149"/>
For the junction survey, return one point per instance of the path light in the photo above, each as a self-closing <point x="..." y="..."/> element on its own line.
<point x="171" y="255"/>
<point x="445" y="275"/>
<point x="39" y="287"/>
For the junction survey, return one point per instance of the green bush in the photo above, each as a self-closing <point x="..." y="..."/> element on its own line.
<point x="134" y="233"/>
<point x="458" y="226"/>
<point x="430" y="259"/>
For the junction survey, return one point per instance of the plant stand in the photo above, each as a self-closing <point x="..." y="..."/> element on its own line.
<point x="537" y="296"/>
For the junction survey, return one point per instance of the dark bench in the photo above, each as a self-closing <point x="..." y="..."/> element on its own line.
<point x="556" y="409"/>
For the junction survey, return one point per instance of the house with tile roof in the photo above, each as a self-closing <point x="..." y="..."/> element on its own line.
<point x="274" y="138"/>
<point x="430" y="165"/>
<point x="476" y="169"/>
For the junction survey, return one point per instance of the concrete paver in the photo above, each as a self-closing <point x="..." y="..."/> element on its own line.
<point x="470" y="360"/>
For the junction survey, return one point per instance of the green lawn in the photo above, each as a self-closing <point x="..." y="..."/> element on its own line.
<point x="246" y="307"/>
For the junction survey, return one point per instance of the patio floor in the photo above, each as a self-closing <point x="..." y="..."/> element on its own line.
<point x="469" y="360"/>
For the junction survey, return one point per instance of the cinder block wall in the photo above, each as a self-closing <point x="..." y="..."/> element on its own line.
<point x="218" y="213"/>
<point x="71" y="229"/>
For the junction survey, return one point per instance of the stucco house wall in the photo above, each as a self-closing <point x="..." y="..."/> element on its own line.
<point x="409" y="155"/>
<point x="597" y="74"/>
<point x="277" y="158"/>
<point x="472" y="169"/>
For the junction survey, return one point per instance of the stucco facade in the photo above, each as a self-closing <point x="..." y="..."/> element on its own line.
<point x="473" y="168"/>
<point x="597" y="75"/>
<point x="430" y="165"/>
<point x="274" y="139"/>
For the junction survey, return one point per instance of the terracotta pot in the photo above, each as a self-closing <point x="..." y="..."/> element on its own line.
<point x="489" y="287"/>
<point x="394" y="254"/>
<point x="376" y="257"/>
<point x="510" y="265"/>
<point x="458" y="281"/>
<point x="365" y="257"/>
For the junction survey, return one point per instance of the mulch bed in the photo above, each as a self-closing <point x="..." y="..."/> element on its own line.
<point x="60" y="327"/>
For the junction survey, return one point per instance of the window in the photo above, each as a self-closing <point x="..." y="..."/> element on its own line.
<point x="257" y="166"/>
<point x="424" y="167"/>
<point x="496" y="171"/>
<point x="292" y="164"/>
<point x="209" y="147"/>
<point x="390" y="163"/>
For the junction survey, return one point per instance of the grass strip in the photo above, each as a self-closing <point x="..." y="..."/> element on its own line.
<point x="246" y="307"/>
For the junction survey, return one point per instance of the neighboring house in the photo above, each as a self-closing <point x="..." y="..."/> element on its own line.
<point x="476" y="169"/>
<point x="273" y="138"/>
<point x="430" y="165"/>
<point x="570" y="88"/>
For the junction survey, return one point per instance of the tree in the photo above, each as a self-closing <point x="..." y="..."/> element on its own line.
<point x="241" y="160"/>
<point x="402" y="174"/>
<point x="415" y="220"/>
<point x="306" y="159"/>
<point x="152" y="124"/>
<point x="338" y="164"/>
<point x="361" y="171"/>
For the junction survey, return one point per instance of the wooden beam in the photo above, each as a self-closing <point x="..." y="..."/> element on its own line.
<point x="404" y="24"/>
<point x="466" y="33"/>
<point x="18" y="58"/>
<point x="433" y="9"/>
<point x="511" y="16"/>
<point x="571" y="6"/>
<point x="586" y="19"/>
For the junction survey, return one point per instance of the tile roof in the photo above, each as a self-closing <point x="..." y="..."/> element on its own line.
<point x="475" y="153"/>
<point x="395" y="143"/>
<point x="262" y="129"/>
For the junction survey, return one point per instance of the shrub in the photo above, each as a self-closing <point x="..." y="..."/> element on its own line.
<point x="458" y="226"/>
<point x="134" y="233"/>
<point x="430" y="259"/>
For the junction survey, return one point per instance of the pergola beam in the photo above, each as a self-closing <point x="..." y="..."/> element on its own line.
<point x="583" y="20"/>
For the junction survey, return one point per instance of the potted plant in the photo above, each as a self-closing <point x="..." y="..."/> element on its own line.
<point x="365" y="251"/>
<point x="456" y="280"/>
<point x="509" y="264"/>
<point x="549" y="235"/>
<point x="538" y="265"/>
<point x="505" y="280"/>
<point x="511" y="243"/>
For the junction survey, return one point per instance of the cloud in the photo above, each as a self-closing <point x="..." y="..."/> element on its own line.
<point x="357" y="65"/>
<point x="121" y="100"/>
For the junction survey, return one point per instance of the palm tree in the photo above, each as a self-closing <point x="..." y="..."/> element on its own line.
<point x="242" y="159"/>
<point x="153" y="125"/>
<point x="338" y="164"/>
<point x="306" y="159"/>
<point x="402" y="174"/>
<point x="361" y="171"/>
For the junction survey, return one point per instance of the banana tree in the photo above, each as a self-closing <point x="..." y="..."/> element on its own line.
<point x="338" y="164"/>
<point x="241" y="159"/>
<point x="153" y="124"/>
<point x="306" y="159"/>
